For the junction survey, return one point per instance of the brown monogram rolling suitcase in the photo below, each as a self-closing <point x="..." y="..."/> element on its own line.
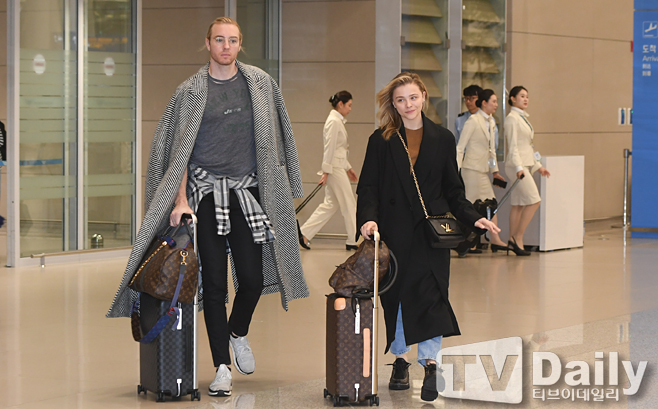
<point x="352" y="345"/>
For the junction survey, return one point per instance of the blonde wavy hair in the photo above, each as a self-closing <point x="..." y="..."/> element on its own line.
<point x="388" y="117"/>
<point x="223" y="20"/>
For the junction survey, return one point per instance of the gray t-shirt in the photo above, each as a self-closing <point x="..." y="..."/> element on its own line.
<point x="225" y="143"/>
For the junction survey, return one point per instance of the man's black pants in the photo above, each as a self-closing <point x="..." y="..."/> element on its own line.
<point x="247" y="257"/>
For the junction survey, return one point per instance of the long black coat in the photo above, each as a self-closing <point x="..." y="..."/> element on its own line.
<point x="388" y="196"/>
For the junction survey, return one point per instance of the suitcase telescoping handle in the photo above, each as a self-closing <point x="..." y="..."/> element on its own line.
<point x="506" y="196"/>
<point x="308" y="199"/>
<point x="195" y="309"/>
<point x="375" y="310"/>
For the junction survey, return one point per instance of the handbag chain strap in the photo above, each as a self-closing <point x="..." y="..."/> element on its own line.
<point x="411" y="166"/>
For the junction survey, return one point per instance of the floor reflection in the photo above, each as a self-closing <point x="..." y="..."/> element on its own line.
<point x="58" y="351"/>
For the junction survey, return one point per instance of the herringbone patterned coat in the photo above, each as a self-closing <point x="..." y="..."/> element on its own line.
<point x="279" y="180"/>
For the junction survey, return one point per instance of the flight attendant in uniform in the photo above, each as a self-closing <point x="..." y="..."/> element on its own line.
<point x="337" y="173"/>
<point x="476" y="156"/>
<point x="521" y="160"/>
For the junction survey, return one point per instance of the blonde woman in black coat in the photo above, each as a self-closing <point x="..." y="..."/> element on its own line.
<point x="416" y="308"/>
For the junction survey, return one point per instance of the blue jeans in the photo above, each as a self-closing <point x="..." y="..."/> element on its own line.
<point x="428" y="349"/>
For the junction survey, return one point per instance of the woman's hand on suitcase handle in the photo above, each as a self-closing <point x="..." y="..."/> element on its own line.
<point x="369" y="227"/>
<point x="520" y="174"/>
<point x="483" y="223"/>
<point x="323" y="179"/>
<point x="498" y="176"/>
<point x="180" y="208"/>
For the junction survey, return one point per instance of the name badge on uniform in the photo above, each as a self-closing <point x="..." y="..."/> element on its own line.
<point x="492" y="162"/>
<point x="537" y="156"/>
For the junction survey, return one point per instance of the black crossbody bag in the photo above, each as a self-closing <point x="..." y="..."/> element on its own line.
<point x="443" y="232"/>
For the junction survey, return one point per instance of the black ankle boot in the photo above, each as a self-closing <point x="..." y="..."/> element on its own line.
<point x="428" y="392"/>
<point x="400" y="376"/>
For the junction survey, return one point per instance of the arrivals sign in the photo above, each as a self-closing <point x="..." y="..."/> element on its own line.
<point x="644" y="195"/>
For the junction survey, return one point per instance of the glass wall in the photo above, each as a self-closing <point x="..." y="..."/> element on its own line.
<point x="77" y="124"/>
<point x="424" y="51"/>
<point x="483" y="56"/>
<point x="48" y="127"/>
<point x="109" y="122"/>
<point x="259" y="21"/>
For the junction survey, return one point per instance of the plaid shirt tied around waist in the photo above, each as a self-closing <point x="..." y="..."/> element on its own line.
<point x="202" y="183"/>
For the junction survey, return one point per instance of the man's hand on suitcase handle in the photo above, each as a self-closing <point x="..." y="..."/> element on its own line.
<point x="367" y="229"/>
<point x="179" y="209"/>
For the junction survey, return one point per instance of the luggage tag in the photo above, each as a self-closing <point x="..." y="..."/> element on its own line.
<point x="537" y="156"/>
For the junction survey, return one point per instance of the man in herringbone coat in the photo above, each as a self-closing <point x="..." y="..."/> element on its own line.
<point x="224" y="149"/>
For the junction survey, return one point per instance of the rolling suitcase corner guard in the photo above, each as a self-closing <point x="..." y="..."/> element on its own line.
<point x="351" y="361"/>
<point x="168" y="364"/>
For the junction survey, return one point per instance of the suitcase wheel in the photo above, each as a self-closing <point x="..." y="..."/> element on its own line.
<point x="374" y="401"/>
<point x="326" y="393"/>
<point x="196" y="395"/>
<point x="161" y="397"/>
<point x="140" y="389"/>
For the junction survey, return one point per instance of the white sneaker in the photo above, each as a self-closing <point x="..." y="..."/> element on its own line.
<point x="223" y="382"/>
<point x="243" y="357"/>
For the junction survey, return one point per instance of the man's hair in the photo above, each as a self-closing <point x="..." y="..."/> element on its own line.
<point x="223" y="20"/>
<point x="472" y="90"/>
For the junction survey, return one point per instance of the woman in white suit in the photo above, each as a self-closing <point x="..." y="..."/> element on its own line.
<point x="521" y="160"/>
<point x="476" y="155"/>
<point x="336" y="176"/>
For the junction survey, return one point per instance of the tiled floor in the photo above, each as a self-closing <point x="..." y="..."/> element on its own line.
<point x="57" y="350"/>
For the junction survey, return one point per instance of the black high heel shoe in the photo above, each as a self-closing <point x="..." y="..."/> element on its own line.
<point x="516" y="249"/>
<point x="301" y="238"/>
<point x="304" y="244"/>
<point x="496" y="247"/>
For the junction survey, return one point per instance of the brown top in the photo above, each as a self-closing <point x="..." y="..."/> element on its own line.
<point x="414" y="137"/>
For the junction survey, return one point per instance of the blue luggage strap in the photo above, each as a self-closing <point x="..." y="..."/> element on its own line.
<point x="173" y="309"/>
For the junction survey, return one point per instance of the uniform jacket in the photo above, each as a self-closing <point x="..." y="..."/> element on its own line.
<point x="387" y="195"/>
<point x="459" y="123"/>
<point x="335" y="143"/>
<point x="476" y="140"/>
<point x="518" y="141"/>
<point x="279" y="180"/>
